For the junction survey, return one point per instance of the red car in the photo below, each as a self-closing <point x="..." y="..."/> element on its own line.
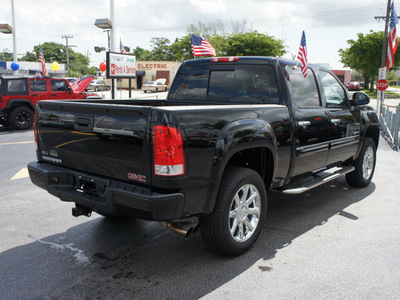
<point x="18" y="96"/>
<point x="354" y="85"/>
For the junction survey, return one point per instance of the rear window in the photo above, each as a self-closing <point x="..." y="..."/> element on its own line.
<point x="239" y="84"/>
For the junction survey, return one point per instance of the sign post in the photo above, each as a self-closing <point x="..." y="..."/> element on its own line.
<point x="120" y="66"/>
<point x="381" y="90"/>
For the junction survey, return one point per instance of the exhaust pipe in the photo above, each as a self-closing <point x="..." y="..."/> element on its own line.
<point x="182" y="228"/>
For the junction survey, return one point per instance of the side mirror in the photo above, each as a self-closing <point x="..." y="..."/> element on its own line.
<point x="360" y="98"/>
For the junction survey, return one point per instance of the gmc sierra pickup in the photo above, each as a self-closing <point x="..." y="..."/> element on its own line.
<point x="231" y="130"/>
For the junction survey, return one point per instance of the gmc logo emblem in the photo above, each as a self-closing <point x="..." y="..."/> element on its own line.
<point x="136" y="177"/>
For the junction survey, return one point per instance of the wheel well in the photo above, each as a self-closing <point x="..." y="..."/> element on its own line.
<point x="257" y="159"/>
<point x="373" y="133"/>
<point x="19" y="104"/>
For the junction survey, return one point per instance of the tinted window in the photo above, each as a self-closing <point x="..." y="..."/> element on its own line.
<point x="191" y="83"/>
<point x="238" y="84"/>
<point x="246" y="84"/>
<point x="304" y="89"/>
<point x="334" y="92"/>
<point x="59" y="85"/>
<point x="38" y="85"/>
<point x="16" y="86"/>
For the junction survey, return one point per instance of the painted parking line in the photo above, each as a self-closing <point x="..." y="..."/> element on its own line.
<point x="16" y="143"/>
<point x="23" y="173"/>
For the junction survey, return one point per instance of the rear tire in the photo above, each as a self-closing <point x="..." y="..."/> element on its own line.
<point x="364" y="164"/>
<point x="239" y="213"/>
<point x="21" y="118"/>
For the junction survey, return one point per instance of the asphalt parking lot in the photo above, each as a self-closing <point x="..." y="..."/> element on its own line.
<point x="333" y="242"/>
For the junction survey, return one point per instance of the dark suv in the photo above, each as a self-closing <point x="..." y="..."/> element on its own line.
<point x="18" y="96"/>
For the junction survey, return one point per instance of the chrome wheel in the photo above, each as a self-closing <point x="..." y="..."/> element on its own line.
<point x="368" y="163"/>
<point x="244" y="213"/>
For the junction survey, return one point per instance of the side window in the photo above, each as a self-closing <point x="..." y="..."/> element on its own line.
<point x="190" y="83"/>
<point x="38" y="85"/>
<point x="16" y="86"/>
<point x="334" y="93"/>
<point x="59" y="85"/>
<point x="304" y="89"/>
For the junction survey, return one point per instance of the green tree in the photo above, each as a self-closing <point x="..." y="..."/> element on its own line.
<point x="79" y="63"/>
<point x="6" y="55"/>
<point x="365" y="55"/>
<point x="161" y="49"/>
<point x="182" y="48"/>
<point x="141" y="54"/>
<point x="250" y="43"/>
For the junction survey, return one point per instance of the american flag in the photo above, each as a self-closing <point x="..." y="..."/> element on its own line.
<point x="200" y="47"/>
<point x="121" y="47"/>
<point x="42" y="62"/>
<point x="392" y="45"/>
<point x="302" y="56"/>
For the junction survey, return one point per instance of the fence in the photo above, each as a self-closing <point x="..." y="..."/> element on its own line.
<point x="390" y="125"/>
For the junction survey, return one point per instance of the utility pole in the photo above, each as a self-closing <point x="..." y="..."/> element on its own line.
<point x="385" y="41"/>
<point x="66" y="37"/>
<point x="381" y="94"/>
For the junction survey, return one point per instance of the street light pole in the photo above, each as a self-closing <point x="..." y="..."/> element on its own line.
<point x="14" y="31"/>
<point x="113" y="44"/>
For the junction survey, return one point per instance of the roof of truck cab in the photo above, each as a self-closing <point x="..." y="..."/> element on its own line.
<point x="249" y="59"/>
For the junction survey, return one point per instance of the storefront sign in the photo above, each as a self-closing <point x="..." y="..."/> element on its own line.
<point x="121" y="65"/>
<point x="152" y="66"/>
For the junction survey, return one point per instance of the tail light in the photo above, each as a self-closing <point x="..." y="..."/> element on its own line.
<point x="169" y="158"/>
<point x="35" y="131"/>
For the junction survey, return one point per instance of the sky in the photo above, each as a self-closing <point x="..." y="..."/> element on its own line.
<point x="327" y="24"/>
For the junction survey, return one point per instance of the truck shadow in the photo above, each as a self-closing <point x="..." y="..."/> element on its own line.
<point x="135" y="259"/>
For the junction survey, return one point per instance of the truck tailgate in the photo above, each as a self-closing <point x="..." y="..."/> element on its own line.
<point x="98" y="138"/>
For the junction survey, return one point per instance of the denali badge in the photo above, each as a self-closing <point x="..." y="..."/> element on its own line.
<point x="136" y="177"/>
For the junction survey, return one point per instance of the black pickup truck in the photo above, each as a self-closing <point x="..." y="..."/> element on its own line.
<point x="231" y="130"/>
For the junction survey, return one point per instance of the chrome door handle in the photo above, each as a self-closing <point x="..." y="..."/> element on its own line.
<point x="304" y="123"/>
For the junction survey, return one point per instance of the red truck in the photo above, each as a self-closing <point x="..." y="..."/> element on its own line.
<point x="18" y="96"/>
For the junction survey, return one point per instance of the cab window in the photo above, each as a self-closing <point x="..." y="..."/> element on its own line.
<point x="245" y="84"/>
<point x="59" y="85"/>
<point x="304" y="89"/>
<point x="38" y="85"/>
<point x="334" y="93"/>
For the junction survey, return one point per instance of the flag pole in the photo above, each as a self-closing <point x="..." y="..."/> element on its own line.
<point x="383" y="62"/>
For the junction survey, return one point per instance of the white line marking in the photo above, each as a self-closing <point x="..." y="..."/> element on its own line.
<point x="23" y="173"/>
<point x="16" y="143"/>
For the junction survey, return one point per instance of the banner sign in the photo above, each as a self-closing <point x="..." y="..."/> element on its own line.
<point x="121" y="65"/>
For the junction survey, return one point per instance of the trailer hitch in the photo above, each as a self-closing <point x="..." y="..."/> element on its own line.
<point x="80" y="210"/>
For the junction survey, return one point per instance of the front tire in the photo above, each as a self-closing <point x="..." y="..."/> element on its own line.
<point x="364" y="164"/>
<point x="239" y="213"/>
<point x="21" y="118"/>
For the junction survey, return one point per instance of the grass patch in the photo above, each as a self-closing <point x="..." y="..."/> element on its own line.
<point x="388" y="94"/>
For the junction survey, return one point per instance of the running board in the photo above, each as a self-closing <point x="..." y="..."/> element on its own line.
<point x="315" y="180"/>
